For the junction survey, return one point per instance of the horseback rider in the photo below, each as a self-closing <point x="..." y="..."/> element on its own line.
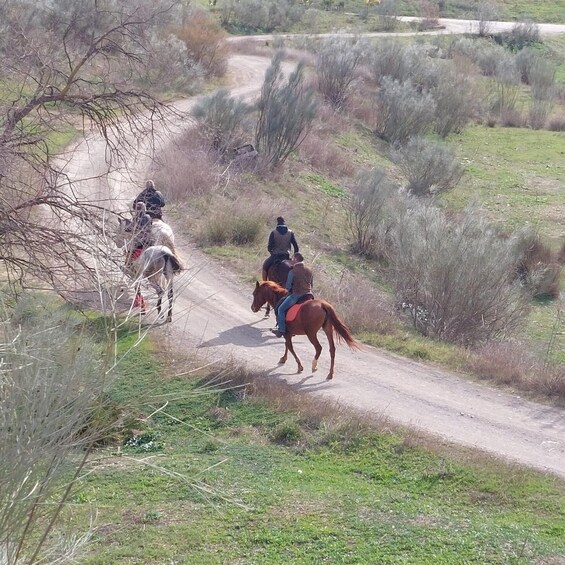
<point x="140" y="228"/>
<point x="299" y="282"/>
<point x="153" y="200"/>
<point x="281" y="239"/>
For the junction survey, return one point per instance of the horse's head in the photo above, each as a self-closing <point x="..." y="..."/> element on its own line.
<point x="258" y="297"/>
<point x="122" y="234"/>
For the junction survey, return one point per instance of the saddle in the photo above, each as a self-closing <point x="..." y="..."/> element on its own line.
<point x="292" y="312"/>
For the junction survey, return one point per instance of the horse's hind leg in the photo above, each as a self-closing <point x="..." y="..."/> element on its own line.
<point x="328" y="328"/>
<point x="317" y="346"/>
<point x="170" y="297"/>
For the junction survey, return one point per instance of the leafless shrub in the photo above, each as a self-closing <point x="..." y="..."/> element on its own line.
<point x="511" y="363"/>
<point x="538" y="268"/>
<point x="324" y="155"/>
<point x="430" y="167"/>
<point x="522" y="34"/>
<point x="455" y="102"/>
<point x="187" y="169"/>
<point x="372" y="210"/>
<point x="429" y="12"/>
<point x="454" y="278"/>
<point x="258" y="15"/>
<point x="492" y="58"/>
<point x="338" y="60"/>
<point x="387" y="12"/>
<point x="221" y="118"/>
<point x="205" y="42"/>
<point x="538" y="113"/>
<point x="556" y="124"/>
<point x="51" y="399"/>
<point x="362" y="305"/>
<point x="286" y="112"/>
<point x="387" y="60"/>
<point x="506" y="86"/>
<point x="485" y="13"/>
<point x="402" y="111"/>
<point x="241" y="223"/>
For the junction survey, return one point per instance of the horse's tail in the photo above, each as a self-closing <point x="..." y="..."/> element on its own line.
<point x="340" y="329"/>
<point x="174" y="262"/>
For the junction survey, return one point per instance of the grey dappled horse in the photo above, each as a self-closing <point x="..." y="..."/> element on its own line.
<point x="157" y="263"/>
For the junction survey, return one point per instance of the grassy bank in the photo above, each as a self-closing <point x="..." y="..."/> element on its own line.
<point x="220" y="477"/>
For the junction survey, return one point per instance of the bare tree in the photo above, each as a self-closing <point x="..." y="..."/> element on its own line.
<point x="67" y="65"/>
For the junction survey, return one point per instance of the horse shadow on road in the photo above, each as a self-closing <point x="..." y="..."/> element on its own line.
<point x="245" y="335"/>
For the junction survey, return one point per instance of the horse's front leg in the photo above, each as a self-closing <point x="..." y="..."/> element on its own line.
<point x="289" y="347"/>
<point x="268" y="310"/>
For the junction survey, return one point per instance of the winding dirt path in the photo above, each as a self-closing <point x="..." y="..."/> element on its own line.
<point x="212" y="313"/>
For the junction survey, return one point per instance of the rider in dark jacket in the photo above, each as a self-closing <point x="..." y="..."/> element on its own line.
<point x="281" y="239"/>
<point x="153" y="200"/>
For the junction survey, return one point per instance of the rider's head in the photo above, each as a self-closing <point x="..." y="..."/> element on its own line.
<point x="140" y="207"/>
<point x="280" y="221"/>
<point x="150" y="185"/>
<point x="297" y="257"/>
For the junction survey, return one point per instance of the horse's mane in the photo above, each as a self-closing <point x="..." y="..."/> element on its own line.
<point x="273" y="286"/>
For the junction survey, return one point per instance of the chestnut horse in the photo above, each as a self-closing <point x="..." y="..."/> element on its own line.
<point x="278" y="272"/>
<point x="313" y="315"/>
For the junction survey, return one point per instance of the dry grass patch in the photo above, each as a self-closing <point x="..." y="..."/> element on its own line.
<point x="510" y="363"/>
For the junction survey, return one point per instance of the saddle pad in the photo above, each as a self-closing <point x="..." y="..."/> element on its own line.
<point x="292" y="312"/>
<point x="136" y="253"/>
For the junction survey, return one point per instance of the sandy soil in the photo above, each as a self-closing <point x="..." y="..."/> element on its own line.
<point x="212" y="313"/>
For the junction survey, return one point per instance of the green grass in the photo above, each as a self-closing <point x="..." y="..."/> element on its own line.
<point x="257" y="486"/>
<point x="517" y="175"/>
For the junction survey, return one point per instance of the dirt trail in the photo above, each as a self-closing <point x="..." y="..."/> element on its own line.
<point x="212" y="313"/>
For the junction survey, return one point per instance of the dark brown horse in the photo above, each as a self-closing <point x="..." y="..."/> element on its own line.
<point x="278" y="272"/>
<point x="313" y="315"/>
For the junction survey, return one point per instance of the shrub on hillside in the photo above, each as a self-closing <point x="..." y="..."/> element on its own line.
<point x="454" y="278"/>
<point x="506" y="86"/>
<point x="338" y="60"/>
<point x="387" y="60"/>
<point x="429" y="167"/>
<point x="286" y="111"/>
<point x="522" y="34"/>
<point x="455" y="102"/>
<point x="371" y="212"/>
<point x="205" y="43"/>
<point x="221" y="118"/>
<point x="254" y="16"/>
<point x="538" y="268"/>
<point x="403" y="111"/>
<point x="238" y="223"/>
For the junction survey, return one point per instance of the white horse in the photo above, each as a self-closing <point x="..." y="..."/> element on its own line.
<point x="157" y="263"/>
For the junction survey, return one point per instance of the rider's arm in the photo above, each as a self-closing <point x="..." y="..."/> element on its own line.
<point x="294" y="243"/>
<point x="289" y="281"/>
<point x="160" y="198"/>
<point x="271" y="243"/>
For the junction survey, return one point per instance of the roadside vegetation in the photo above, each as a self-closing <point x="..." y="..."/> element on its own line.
<point x="210" y="473"/>
<point x="427" y="185"/>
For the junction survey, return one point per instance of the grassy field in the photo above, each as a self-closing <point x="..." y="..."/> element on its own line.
<point x="218" y="477"/>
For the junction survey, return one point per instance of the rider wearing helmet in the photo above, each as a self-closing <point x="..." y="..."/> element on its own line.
<point x="281" y="239"/>
<point x="153" y="200"/>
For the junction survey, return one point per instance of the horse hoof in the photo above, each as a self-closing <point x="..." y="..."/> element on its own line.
<point x="282" y="361"/>
<point x="329" y="377"/>
<point x="300" y="369"/>
<point x="169" y="319"/>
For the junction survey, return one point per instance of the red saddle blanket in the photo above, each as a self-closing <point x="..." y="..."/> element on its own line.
<point x="292" y="312"/>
